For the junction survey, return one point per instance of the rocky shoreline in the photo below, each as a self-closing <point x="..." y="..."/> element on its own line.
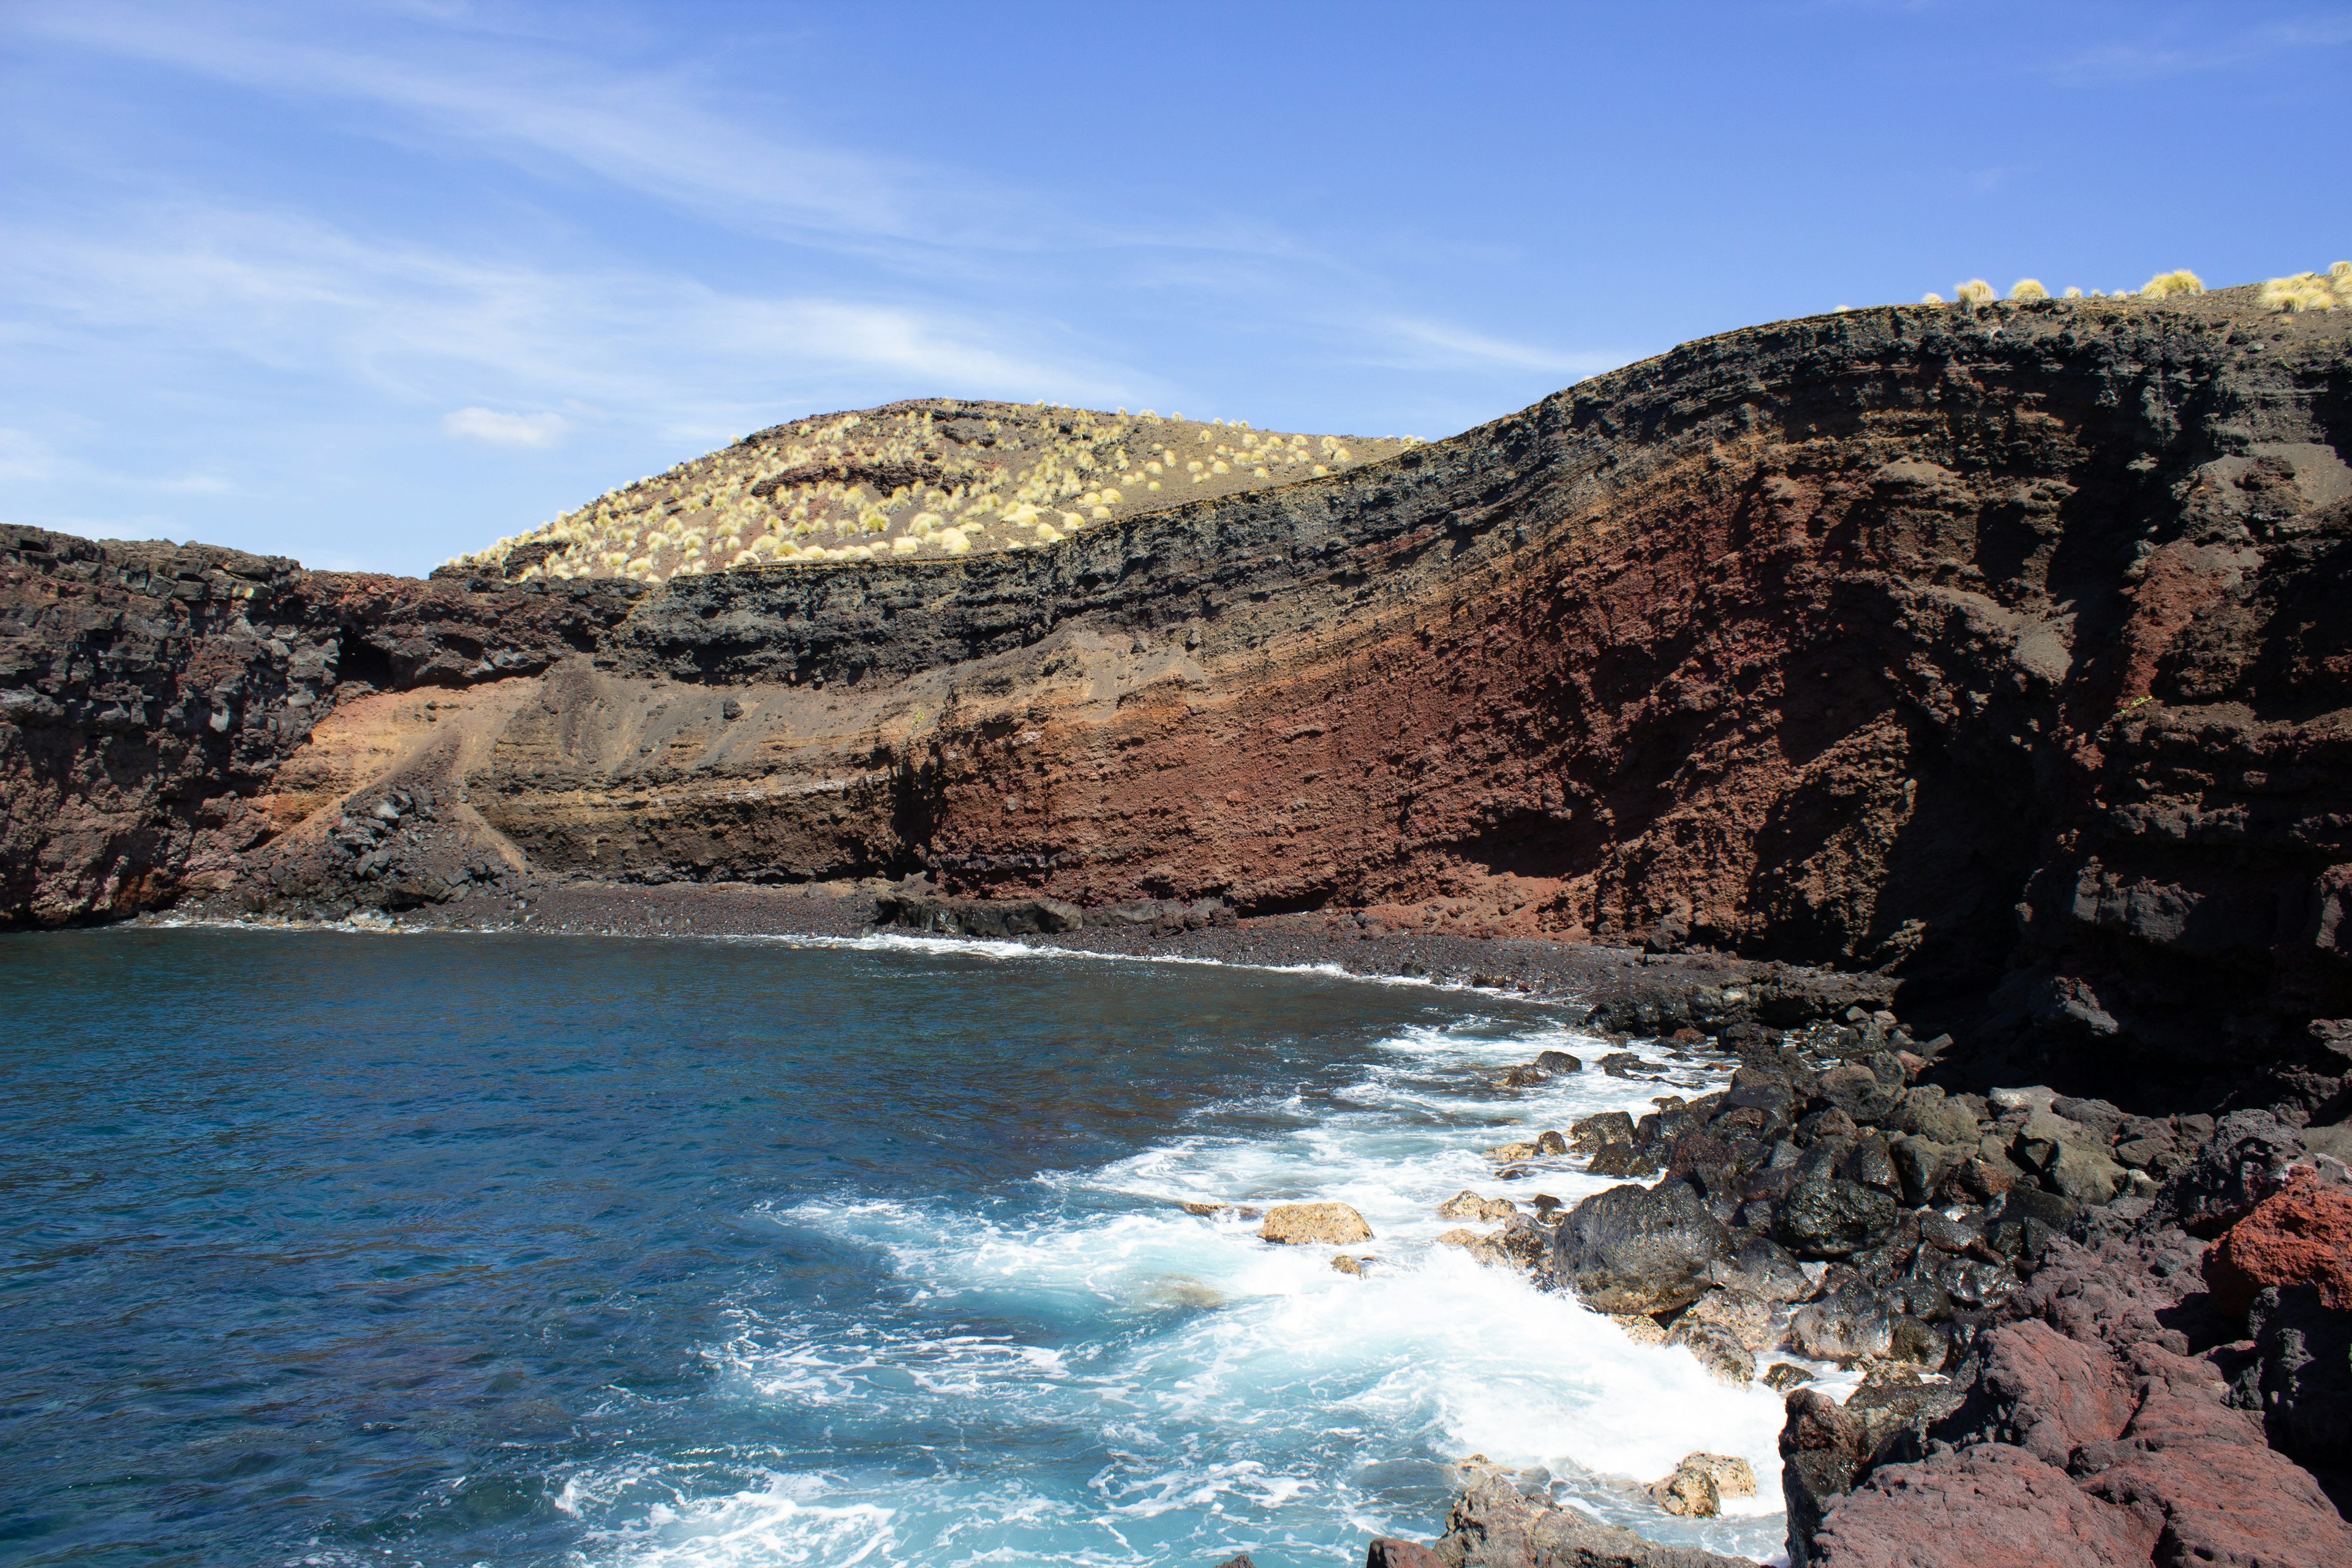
<point x="2083" y="1334"/>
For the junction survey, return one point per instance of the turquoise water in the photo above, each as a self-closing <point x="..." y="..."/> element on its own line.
<point x="333" y="1248"/>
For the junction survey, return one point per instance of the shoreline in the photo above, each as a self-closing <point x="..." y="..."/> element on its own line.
<point x="1601" y="976"/>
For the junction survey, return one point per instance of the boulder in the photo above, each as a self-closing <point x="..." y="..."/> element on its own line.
<point x="2300" y="1235"/>
<point x="1717" y="1349"/>
<point x="1761" y="1267"/>
<point x="2085" y="1175"/>
<point x="2048" y="1394"/>
<point x="1467" y="1205"/>
<point x="1493" y="1524"/>
<point x="1921" y="1163"/>
<point x="1858" y="1091"/>
<point x="1925" y="1112"/>
<point x="1520" y="1244"/>
<point x="1626" y="1160"/>
<point x="1641" y="1329"/>
<point x="1345" y="1264"/>
<point x="1389" y="1552"/>
<point x="1993" y="1506"/>
<point x="1631" y="1249"/>
<point x="1783" y="1376"/>
<point x="1557" y="1061"/>
<point x="1590" y="1132"/>
<point x="1830" y="1216"/>
<point x="1854" y="1323"/>
<point x="1701" y="1482"/>
<point x="2300" y="1377"/>
<point x="1746" y="1317"/>
<point x="1298" y="1224"/>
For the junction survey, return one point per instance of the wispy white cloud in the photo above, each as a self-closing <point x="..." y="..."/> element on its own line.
<point x="662" y="351"/>
<point x="494" y="428"/>
<point x="2170" y="54"/>
<point x="533" y="102"/>
<point x="1413" y="341"/>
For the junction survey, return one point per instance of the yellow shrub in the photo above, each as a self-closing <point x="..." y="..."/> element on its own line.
<point x="2164" y="285"/>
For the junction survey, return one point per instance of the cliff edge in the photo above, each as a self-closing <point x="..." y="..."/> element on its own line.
<point x="1999" y="649"/>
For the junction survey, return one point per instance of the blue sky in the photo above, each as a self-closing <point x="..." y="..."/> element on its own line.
<point x="370" y="284"/>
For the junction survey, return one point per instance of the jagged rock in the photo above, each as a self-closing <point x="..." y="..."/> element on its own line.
<point x="1833" y="1217"/>
<point x="2299" y="1377"/>
<point x="1639" y="1327"/>
<point x="1294" y="1225"/>
<point x="1746" y="1317"/>
<point x="1588" y="1135"/>
<point x="1629" y="1249"/>
<point x="1466" y="1205"/>
<point x="1762" y="1268"/>
<point x="1494" y="1525"/>
<point x="1718" y="1349"/>
<point x="1391" y="1553"/>
<point x="1624" y="1159"/>
<point x="1781" y="1376"/>
<point x="2301" y="1234"/>
<point x="1853" y="1324"/>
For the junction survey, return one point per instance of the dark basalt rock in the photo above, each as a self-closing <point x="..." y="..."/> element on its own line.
<point x="1634" y="1249"/>
<point x="1830" y="1216"/>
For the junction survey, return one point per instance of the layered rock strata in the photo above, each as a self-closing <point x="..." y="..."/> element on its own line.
<point x="1993" y="649"/>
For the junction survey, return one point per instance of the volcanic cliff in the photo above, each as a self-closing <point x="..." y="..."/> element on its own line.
<point x="2001" y="648"/>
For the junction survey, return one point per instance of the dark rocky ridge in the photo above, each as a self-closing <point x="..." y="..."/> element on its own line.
<point x="1990" y="649"/>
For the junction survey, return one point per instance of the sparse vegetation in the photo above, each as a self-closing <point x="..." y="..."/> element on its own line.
<point x="2164" y="285"/>
<point x="2311" y="291"/>
<point x="920" y="480"/>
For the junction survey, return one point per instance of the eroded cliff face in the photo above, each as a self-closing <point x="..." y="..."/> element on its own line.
<point x="2008" y="649"/>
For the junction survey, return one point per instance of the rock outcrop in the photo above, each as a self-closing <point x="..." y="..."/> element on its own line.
<point x="1996" y="648"/>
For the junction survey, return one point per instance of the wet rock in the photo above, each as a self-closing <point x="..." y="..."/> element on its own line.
<point x="1851" y="1325"/>
<point x="1519" y="1244"/>
<point x="1641" y="1329"/>
<point x="1588" y="1133"/>
<point x="1297" y="1225"/>
<point x="1831" y="1217"/>
<point x="1466" y="1205"/>
<point x="2301" y="1234"/>
<point x="1701" y="1482"/>
<point x="1687" y="1494"/>
<point x="1389" y="1552"/>
<point x="1783" y="1376"/>
<point x="1623" y="1063"/>
<point x="1747" y="1318"/>
<point x="1626" y="1160"/>
<point x="1631" y="1249"/>
<point x="1550" y="1144"/>
<point x="1759" y="1267"/>
<point x="1557" y="1062"/>
<point x="1493" y="1524"/>
<point x="1241" y="1560"/>
<point x="1716" y="1348"/>
<point x="1345" y="1264"/>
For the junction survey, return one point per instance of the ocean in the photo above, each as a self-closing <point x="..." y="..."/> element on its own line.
<point x="326" y="1248"/>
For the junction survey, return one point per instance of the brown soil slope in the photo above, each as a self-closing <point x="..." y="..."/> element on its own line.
<point x="2005" y="648"/>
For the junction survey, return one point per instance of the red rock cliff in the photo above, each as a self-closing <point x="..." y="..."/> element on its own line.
<point x="2006" y="649"/>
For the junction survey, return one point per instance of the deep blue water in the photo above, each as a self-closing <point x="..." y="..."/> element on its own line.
<point x="337" y="1248"/>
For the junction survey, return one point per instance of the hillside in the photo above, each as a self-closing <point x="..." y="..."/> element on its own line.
<point x="926" y="479"/>
<point x="1992" y="646"/>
